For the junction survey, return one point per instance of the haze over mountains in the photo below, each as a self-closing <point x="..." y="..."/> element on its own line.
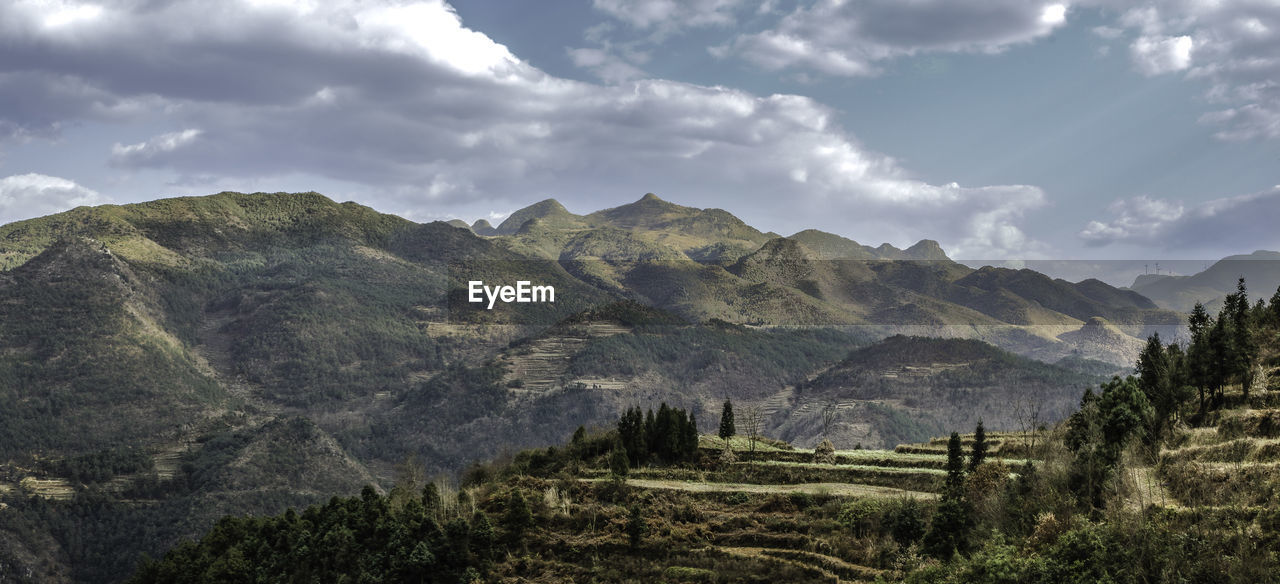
<point x="1260" y="269"/>
<point x="205" y="341"/>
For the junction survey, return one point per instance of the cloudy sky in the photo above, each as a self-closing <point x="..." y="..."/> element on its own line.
<point x="1097" y="129"/>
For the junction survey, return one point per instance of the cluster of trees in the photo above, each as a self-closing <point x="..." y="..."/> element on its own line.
<point x="1098" y="433"/>
<point x="1223" y="351"/>
<point x="370" y="538"/>
<point x="103" y="465"/>
<point x="954" y="518"/>
<point x="669" y="436"/>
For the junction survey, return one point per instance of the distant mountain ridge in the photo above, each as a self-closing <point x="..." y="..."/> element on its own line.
<point x="1260" y="269"/>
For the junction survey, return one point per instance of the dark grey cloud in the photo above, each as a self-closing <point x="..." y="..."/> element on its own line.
<point x="1226" y="225"/>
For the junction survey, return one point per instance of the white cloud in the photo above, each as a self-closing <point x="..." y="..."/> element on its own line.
<point x="140" y="153"/>
<point x="1233" y="44"/>
<point x="1226" y="225"/>
<point x="1158" y="55"/>
<point x="24" y="196"/>
<point x="849" y="38"/>
<point x="1139" y="219"/>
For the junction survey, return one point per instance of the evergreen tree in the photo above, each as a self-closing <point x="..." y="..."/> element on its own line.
<point x="1199" y="353"/>
<point x="1273" y="310"/>
<point x="979" y="447"/>
<point x="949" y="530"/>
<point x="1098" y="432"/>
<point x="1244" y="348"/>
<point x="726" y="420"/>
<point x="517" y="518"/>
<point x="690" y="438"/>
<point x="636" y="526"/>
<point x="483" y="537"/>
<point x="955" y="465"/>
<point x="458" y="549"/>
<point x="632" y="433"/>
<point x="618" y="461"/>
<point x="661" y="441"/>
<point x="1155" y="378"/>
<point x="1221" y="359"/>
<point x="431" y="500"/>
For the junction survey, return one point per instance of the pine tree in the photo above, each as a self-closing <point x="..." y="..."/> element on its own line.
<point x="1273" y="309"/>
<point x="1221" y="358"/>
<point x="482" y="537"/>
<point x="1199" y="353"/>
<point x="1155" y="378"/>
<point x="726" y="420"/>
<point x="517" y="518"/>
<point x="632" y="433"/>
<point x="979" y="447"/>
<point x="949" y="531"/>
<point x="955" y="465"/>
<point x="618" y="461"/>
<point x="431" y="500"/>
<point x="690" y="438"/>
<point x="636" y="526"/>
<point x="1245" y="349"/>
<point x="458" y="550"/>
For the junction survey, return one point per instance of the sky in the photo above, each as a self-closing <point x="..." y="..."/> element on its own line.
<point x="1004" y="129"/>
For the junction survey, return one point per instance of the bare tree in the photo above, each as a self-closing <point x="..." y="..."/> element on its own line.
<point x="753" y="419"/>
<point x="1027" y="409"/>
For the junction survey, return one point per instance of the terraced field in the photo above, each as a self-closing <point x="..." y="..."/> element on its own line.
<point x="832" y="489"/>
<point x="1235" y="463"/>
<point x="773" y="503"/>
<point x="541" y="364"/>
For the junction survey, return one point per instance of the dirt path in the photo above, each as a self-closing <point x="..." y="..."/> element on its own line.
<point x="837" y="489"/>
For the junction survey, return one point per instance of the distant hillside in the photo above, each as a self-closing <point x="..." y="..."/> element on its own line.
<point x="829" y="246"/>
<point x="903" y="388"/>
<point x="1260" y="269"/>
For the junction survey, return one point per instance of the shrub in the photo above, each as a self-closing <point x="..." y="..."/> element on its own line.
<point x="824" y="453"/>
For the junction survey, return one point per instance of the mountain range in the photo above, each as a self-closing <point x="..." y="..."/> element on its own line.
<point x="168" y="362"/>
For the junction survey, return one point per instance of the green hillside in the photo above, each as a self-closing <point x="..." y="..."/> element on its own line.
<point x="1143" y="482"/>
<point x="166" y="363"/>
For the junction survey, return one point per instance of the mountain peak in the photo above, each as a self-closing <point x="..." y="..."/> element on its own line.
<point x="482" y="227"/>
<point x="550" y="211"/>
<point x="831" y="246"/>
<point x="651" y="197"/>
<point x="926" y="249"/>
